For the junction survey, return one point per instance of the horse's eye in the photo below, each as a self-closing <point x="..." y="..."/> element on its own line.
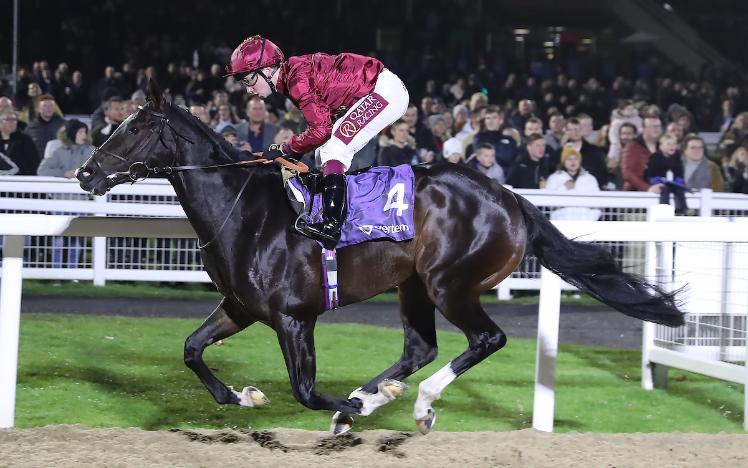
<point x="133" y="130"/>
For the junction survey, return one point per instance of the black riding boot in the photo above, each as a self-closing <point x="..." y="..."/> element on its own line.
<point x="333" y="208"/>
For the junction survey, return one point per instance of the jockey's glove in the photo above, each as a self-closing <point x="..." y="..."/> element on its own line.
<point x="276" y="151"/>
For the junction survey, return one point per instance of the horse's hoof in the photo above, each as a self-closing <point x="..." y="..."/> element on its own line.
<point x="251" y="397"/>
<point x="356" y="404"/>
<point x="341" y="423"/>
<point x="425" y="425"/>
<point x="391" y="388"/>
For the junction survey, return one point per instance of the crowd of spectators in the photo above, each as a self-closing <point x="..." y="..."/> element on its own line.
<point x="519" y="130"/>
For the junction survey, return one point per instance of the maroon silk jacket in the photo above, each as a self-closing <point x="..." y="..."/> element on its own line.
<point x="319" y="84"/>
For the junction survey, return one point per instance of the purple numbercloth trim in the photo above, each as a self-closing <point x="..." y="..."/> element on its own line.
<point x="380" y="205"/>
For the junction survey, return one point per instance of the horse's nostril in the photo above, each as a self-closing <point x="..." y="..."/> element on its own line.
<point x="83" y="173"/>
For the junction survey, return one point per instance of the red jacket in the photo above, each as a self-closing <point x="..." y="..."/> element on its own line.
<point x="634" y="160"/>
<point x="319" y="84"/>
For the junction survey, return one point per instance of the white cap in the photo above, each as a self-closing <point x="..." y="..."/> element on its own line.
<point x="452" y="146"/>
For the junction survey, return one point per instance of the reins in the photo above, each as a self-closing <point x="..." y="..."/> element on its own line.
<point x="139" y="170"/>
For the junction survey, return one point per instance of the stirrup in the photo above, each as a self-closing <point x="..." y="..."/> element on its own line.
<point x="311" y="231"/>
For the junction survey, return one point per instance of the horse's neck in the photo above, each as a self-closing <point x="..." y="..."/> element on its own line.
<point x="208" y="196"/>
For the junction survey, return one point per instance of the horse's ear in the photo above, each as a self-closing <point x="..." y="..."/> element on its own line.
<point x="154" y="93"/>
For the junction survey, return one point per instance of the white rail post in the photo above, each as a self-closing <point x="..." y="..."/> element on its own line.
<point x="706" y="202"/>
<point x="10" y="320"/>
<point x="544" y="403"/>
<point x="652" y="263"/>
<point x="99" y="251"/>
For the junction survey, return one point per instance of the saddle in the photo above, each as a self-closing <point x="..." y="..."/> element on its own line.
<point x="379" y="201"/>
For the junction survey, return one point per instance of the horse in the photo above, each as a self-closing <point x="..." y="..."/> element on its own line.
<point x="471" y="233"/>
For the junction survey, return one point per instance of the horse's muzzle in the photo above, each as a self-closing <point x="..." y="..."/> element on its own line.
<point x="89" y="181"/>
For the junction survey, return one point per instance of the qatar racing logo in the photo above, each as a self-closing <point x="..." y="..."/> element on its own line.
<point x="348" y="129"/>
<point x="360" y="116"/>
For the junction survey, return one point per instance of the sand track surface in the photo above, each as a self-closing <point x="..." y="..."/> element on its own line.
<point x="81" y="446"/>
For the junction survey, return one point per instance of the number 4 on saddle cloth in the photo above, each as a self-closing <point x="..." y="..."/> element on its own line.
<point x="379" y="206"/>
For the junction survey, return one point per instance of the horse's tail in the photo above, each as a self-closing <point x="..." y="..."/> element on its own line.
<point x="593" y="269"/>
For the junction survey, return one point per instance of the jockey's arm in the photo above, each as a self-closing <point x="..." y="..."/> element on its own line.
<point x="317" y="114"/>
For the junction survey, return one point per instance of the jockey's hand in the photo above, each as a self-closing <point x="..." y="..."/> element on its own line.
<point x="276" y="150"/>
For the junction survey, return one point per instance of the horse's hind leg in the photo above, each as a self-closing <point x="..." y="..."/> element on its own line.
<point x="217" y="327"/>
<point x="484" y="338"/>
<point x="419" y="349"/>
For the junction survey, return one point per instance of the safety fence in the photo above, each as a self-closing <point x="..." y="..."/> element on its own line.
<point x="702" y="258"/>
<point x="178" y="260"/>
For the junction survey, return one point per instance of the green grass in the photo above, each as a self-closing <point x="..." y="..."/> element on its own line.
<point x="122" y="372"/>
<point x="148" y="290"/>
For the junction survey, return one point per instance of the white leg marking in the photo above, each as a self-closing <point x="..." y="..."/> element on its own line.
<point x="431" y="389"/>
<point x="388" y="390"/>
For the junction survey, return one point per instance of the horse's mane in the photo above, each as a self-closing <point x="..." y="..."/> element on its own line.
<point x="219" y="142"/>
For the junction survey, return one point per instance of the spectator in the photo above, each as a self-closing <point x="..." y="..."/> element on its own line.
<point x="555" y="133"/>
<point x="255" y="129"/>
<point x="197" y="88"/>
<point x="625" y="113"/>
<point x="229" y="133"/>
<point x="201" y="113"/>
<point x="636" y="153"/>
<point x="420" y="134"/>
<point x="18" y="153"/>
<point x="738" y="130"/>
<point x="593" y="156"/>
<point x="461" y="127"/>
<point x="532" y="125"/>
<point x="75" y="149"/>
<point x="6" y="105"/>
<point x="453" y="152"/>
<point x="525" y="110"/>
<point x="626" y="133"/>
<point x="399" y="150"/>
<point x="736" y="170"/>
<point x="571" y="177"/>
<point x="666" y="164"/>
<point x="698" y="171"/>
<point x="138" y="98"/>
<point x="108" y="86"/>
<point x="484" y="161"/>
<point x="587" y="128"/>
<point x="45" y="126"/>
<point x="675" y="129"/>
<point x="283" y="136"/>
<point x="172" y="81"/>
<point x="227" y="116"/>
<point x="491" y="133"/>
<point x="438" y="127"/>
<point x="532" y="169"/>
<point x="74" y="95"/>
<point x="27" y="112"/>
<point x="476" y="118"/>
<point x="114" y="110"/>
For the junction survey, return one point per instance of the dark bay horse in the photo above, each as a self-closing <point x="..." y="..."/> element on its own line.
<point x="471" y="233"/>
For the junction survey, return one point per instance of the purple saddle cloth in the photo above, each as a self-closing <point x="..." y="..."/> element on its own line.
<point x="379" y="201"/>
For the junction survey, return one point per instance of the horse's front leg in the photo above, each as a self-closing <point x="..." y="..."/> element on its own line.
<point x="296" y="338"/>
<point x="217" y="327"/>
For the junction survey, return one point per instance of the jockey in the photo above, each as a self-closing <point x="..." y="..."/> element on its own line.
<point x="346" y="99"/>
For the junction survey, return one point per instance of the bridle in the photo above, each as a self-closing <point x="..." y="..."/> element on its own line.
<point x="140" y="170"/>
